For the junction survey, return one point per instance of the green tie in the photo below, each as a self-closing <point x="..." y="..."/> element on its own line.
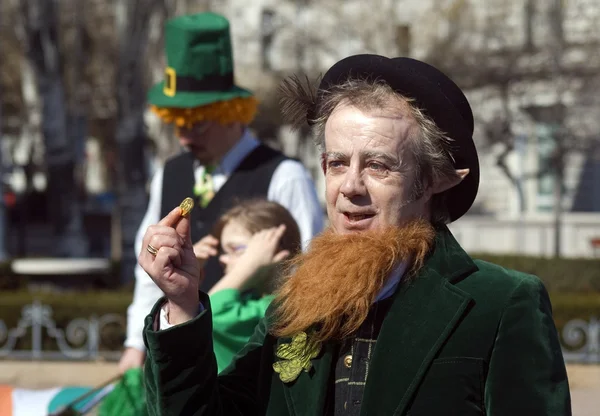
<point x="204" y="188"/>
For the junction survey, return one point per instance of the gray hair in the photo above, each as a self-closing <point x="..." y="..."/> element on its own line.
<point x="430" y="146"/>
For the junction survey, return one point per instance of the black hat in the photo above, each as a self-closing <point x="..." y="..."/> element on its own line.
<point x="436" y="95"/>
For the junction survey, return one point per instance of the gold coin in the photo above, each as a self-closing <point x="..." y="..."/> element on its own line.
<point x="186" y="206"/>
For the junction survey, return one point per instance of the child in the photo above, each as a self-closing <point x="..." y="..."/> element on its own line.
<point x="254" y="237"/>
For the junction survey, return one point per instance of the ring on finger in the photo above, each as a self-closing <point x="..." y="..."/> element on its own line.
<point x="151" y="249"/>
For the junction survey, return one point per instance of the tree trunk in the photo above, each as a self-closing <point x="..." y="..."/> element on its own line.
<point x="556" y="19"/>
<point x="63" y="202"/>
<point x="161" y="133"/>
<point x="27" y="151"/>
<point x="520" y="146"/>
<point x="130" y="131"/>
<point x="3" y="253"/>
<point x="558" y="209"/>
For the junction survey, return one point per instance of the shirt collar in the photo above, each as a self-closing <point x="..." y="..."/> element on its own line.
<point x="392" y="282"/>
<point x="236" y="154"/>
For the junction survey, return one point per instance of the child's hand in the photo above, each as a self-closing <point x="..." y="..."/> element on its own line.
<point x="261" y="251"/>
<point x="205" y="249"/>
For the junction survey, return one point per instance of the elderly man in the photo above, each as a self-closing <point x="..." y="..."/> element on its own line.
<point x="385" y="314"/>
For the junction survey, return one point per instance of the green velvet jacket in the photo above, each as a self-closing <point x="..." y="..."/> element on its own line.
<point x="464" y="338"/>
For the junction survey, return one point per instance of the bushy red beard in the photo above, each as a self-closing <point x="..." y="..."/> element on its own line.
<point x="331" y="287"/>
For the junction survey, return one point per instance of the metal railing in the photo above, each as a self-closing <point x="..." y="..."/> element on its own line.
<point x="81" y="339"/>
<point x="581" y="341"/>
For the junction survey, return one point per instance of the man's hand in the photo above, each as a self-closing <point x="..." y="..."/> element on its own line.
<point x="174" y="268"/>
<point x="131" y="358"/>
<point x="205" y="249"/>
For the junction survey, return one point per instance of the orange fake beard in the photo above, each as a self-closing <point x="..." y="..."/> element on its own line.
<point x="331" y="287"/>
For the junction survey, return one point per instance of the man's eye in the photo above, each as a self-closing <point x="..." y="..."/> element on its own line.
<point x="376" y="166"/>
<point x="334" y="163"/>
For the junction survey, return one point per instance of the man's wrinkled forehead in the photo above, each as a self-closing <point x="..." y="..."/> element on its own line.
<point x="394" y="106"/>
<point x="379" y="126"/>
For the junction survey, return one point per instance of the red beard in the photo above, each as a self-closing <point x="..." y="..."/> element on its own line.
<point x="332" y="286"/>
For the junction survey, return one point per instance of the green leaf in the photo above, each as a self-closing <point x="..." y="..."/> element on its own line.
<point x="288" y="370"/>
<point x="297" y="356"/>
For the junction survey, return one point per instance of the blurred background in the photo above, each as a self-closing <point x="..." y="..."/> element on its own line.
<point x="78" y="147"/>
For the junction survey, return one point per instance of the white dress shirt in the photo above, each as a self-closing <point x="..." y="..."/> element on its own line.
<point x="291" y="185"/>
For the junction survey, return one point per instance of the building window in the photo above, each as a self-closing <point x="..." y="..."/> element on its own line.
<point x="266" y="39"/>
<point x="545" y="182"/>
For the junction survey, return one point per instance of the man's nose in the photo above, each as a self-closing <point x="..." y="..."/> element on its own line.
<point x="354" y="184"/>
<point x="182" y="133"/>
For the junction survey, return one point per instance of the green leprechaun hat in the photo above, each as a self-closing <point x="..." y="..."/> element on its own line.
<point x="199" y="63"/>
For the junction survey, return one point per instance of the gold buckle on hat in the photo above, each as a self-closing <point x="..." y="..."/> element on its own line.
<point x="170" y="82"/>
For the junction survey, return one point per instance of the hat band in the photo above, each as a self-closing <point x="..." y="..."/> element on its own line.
<point x="176" y="83"/>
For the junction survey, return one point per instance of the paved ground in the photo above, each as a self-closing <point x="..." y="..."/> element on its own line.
<point x="584" y="379"/>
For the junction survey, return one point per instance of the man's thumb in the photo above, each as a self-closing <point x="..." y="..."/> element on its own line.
<point x="182" y="222"/>
<point x="184" y="229"/>
<point x="171" y="218"/>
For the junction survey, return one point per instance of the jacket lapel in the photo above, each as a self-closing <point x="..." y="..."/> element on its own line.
<point x="422" y="316"/>
<point x="307" y="394"/>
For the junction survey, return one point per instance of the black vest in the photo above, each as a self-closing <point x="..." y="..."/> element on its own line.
<point x="250" y="179"/>
<point x="351" y="360"/>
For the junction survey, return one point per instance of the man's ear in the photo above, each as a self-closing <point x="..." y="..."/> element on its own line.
<point x="323" y="163"/>
<point x="447" y="183"/>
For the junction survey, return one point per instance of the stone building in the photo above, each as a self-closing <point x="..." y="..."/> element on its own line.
<point x="530" y="70"/>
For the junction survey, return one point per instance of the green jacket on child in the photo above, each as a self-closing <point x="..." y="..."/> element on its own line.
<point x="235" y="316"/>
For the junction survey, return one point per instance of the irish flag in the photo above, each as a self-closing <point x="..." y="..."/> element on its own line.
<point x="122" y="395"/>
<point x="48" y="402"/>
